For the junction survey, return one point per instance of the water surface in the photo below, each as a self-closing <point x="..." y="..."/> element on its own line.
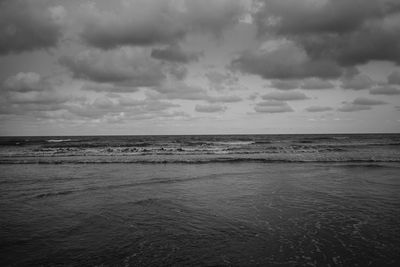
<point x="209" y="211"/>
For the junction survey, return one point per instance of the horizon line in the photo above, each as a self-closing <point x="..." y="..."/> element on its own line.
<point x="208" y="134"/>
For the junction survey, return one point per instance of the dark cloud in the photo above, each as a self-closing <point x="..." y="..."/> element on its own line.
<point x="175" y="53"/>
<point x="272" y="106"/>
<point x="223" y="99"/>
<point x="394" y="77"/>
<point x="285" y="84"/>
<point x="284" y="61"/>
<point x="179" y="90"/>
<point x="27" y="25"/>
<point x="212" y="108"/>
<point x="149" y="22"/>
<point x="307" y="17"/>
<point x="316" y="84"/>
<point x="36" y="109"/>
<point x="285" y="96"/>
<point x="359" y="104"/>
<point x="122" y="67"/>
<point x="350" y="107"/>
<point x="309" y="83"/>
<point x="106" y="87"/>
<point x="358" y="82"/>
<point x="385" y="90"/>
<point x="318" y="109"/>
<point x="368" y="101"/>
<point x="346" y="32"/>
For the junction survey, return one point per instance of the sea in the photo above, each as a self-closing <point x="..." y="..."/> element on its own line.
<point x="200" y="200"/>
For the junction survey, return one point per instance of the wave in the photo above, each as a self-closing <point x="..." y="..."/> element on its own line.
<point x="134" y="184"/>
<point x="193" y="161"/>
<point x="375" y="165"/>
<point x="58" y="140"/>
<point x="51" y="194"/>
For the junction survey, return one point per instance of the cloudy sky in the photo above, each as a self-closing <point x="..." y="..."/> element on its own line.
<point x="199" y="66"/>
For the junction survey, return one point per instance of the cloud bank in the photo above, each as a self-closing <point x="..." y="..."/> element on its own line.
<point x="27" y="25"/>
<point x="151" y="22"/>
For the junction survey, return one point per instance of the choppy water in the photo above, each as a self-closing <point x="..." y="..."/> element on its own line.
<point x="201" y="148"/>
<point x="322" y="201"/>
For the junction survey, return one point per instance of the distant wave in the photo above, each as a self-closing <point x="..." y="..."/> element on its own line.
<point x="191" y="161"/>
<point x="58" y="140"/>
<point x="199" y="149"/>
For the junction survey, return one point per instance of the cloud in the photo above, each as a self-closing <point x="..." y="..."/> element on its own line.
<point x="220" y="81"/>
<point x="150" y="22"/>
<point x="27" y="25"/>
<point x="394" y="77"/>
<point x="181" y="90"/>
<point x="272" y="106"/>
<point x="29" y="91"/>
<point x="106" y="87"/>
<point x="45" y="98"/>
<point x="212" y="108"/>
<point x="26" y="82"/>
<point x="285" y="84"/>
<point x="30" y="94"/>
<point x="359" y="104"/>
<point x="358" y="82"/>
<point x="177" y="70"/>
<point x="318" y="109"/>
<point x="385" y="90"/>
<point x="122" y="67"/>
<point x="284" y="60"/>
<point x="335" y="30"/>
<point x="223" y="99"/>
<point x="178" y="90"/>
<point x="368" y="101"/>
<point x="285" y="96"/>
<point x="350" y="107"/>
<point x="175" y="53"/>
<point x="120" y="107"/>
<point x="308" y="17"/>
<point x="316" y="84"/>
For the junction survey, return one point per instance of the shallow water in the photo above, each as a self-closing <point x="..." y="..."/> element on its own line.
<point x="233" y="214"/>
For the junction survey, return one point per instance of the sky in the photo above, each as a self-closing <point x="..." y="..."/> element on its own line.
<point x="146" y="67"/>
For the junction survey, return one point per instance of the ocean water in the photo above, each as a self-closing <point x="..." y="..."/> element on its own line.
<point x="217" y="200"/>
